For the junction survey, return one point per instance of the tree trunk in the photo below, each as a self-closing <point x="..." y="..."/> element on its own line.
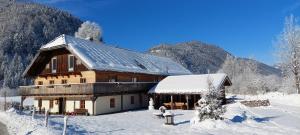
<point x="297" y="80"/>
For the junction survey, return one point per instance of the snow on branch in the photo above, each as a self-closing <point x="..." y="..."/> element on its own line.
<point x="89" y="30"/>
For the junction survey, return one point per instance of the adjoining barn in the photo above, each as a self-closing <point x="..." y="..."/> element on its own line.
<point x="183" y="91"/>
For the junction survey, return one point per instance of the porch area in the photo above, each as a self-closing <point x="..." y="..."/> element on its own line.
<point x="175" y="101"/>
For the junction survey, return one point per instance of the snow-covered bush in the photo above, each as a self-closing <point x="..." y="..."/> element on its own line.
<point x="89" y="30"/>
<point x="210" y="106"/>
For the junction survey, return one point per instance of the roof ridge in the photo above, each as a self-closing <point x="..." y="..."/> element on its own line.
<point x="117" y="47"/>
<point x="60" y="36"/>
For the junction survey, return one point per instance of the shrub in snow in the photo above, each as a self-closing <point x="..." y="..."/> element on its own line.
<point x="209" y="106"/>
<point x="89" y="30"/>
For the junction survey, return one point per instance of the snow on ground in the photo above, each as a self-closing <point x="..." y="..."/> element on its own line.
<point x="282" y="117"/>
<point x="22" y="124"/>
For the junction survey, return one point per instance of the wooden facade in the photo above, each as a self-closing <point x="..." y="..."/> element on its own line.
<point x="81" y="84"/>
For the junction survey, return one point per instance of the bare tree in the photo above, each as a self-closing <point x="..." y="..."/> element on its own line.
<point x="89" y="30"/>
<point x="288" y="50"/>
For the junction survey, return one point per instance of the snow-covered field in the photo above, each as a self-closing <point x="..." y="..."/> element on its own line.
<point x="282" y="117"/>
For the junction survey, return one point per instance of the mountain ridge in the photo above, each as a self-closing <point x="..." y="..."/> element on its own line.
<point x="199" y="57"/>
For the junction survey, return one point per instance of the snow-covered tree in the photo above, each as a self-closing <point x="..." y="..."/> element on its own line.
<point x="246" y="78"/>
<point x="209" y="106"/>
<point x="288" y="51"/>
<point x="89" y="30"/>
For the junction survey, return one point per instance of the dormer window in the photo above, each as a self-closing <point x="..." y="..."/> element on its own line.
<point x="71" y="63"/>
<point x="54" y="64"/>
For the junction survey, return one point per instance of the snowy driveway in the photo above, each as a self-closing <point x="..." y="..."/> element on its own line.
<point x="3" y="129"/>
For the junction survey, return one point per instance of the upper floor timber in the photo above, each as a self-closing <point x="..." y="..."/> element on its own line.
<point x="67" y="59"/>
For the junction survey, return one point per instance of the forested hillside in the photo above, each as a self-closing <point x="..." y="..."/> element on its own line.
<point x="24" y="27"/>
<point x="200" y="57"/>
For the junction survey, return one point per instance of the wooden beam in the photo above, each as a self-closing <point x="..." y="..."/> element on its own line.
<point x="187" y="102"/>
<point x="93" y="101"/>
<point x="172" y="103"/>
<point x="121" y="101"/>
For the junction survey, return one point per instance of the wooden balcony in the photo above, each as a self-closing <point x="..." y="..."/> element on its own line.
<point x="105" y="88"/>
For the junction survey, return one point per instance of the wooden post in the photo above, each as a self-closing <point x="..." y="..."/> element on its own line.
<point x="122" y="101"/>
<point x="93" y="100"/>
<point x="33" y="113"/>
<point x="172" y="105"/>
<point x="21" y="105"/>
<point x="46" y="117"/>
<point x="187" y="102"/>
<point x="65" y="125"/>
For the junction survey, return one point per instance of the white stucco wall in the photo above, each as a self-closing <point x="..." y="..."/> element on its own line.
<point x="55" y="108"/>
<point x="70" y="105"/>
<point x="75" y="104"/>
<point x="36" y="104"/>
<point x="89" y="106"/>
<point x="102" y="104"/>
<point x="46" y="105"/>
<point x="127" y="102"/>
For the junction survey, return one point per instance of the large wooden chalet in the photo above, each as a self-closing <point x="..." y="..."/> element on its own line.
<point x="72" y="74"/>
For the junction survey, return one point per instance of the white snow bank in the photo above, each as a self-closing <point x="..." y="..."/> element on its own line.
<point x="274" y="97"/>
<point x="23" y="125"/>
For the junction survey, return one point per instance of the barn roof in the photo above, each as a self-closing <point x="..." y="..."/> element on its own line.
<point x="190" y="84"/>
<point x="97" y="56"/>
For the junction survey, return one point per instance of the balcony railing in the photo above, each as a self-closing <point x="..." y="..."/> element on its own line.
<point x="98" y="88"/>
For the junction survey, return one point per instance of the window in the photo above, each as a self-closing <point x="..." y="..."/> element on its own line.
<point x="82" y="80"/>
<point x="112" y="103"/>
<point x="40" y="82"/>
<point x="82" y="104"/>
<point x="51" y="104"/>
<point x="134" y="79"/>
<point x="132" y="99"/>
<point x="54" y="64"/>
<point x="51" y="82"/>
<point x="64" y="81"/>
<point x="71" y="60"/>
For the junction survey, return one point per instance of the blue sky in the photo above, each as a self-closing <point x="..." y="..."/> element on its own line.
<point x="245" y="28"/>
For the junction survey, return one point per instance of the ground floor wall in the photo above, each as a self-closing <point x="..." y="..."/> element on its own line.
<point x="117" y="103"/>
<point x="45" y="105"/>
<point x="100" y="104"/>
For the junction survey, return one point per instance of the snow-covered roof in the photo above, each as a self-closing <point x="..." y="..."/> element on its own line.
<point x="98" y="56"/>
<point x="189" y="84"/>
